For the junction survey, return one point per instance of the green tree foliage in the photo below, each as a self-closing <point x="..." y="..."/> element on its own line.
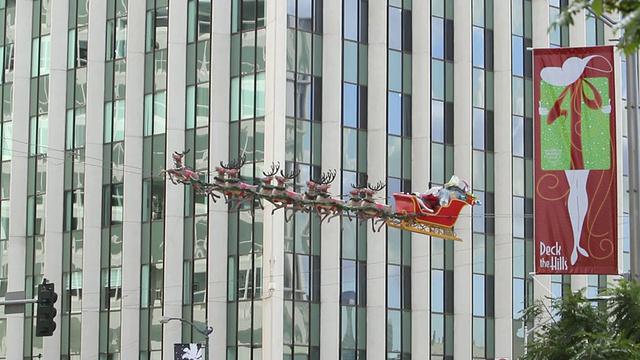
<point x="577" y="328"/>
<point x="628" y="28"/>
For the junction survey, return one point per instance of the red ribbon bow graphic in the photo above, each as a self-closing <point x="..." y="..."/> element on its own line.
<point x="578" y="95"/>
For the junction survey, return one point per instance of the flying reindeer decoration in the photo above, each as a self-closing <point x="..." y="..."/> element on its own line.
<point x="362" y="203"/>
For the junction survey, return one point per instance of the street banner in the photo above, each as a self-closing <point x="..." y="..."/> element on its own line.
<point x="188" y="352"/>
<point x="575" y="216"/>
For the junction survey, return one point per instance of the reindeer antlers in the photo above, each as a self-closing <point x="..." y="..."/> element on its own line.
<point x="292" y="175"/>
<point x="184" y="152"/>
<point x="360" y="185"/>
<point x="326" y="178"/>
<point x="235" y="164"/>
<point x="274" y="169"/>
<point x="379" y="186"/>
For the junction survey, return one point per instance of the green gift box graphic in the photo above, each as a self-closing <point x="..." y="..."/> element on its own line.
<point x="574" y="125"/>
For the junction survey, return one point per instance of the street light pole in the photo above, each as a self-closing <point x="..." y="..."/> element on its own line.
<point x="206" y="331"/>
<point x="634" y="164"/>
<point x="634" y="158"/>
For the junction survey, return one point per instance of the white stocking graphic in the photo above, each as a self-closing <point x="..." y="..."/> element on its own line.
<point x="577" y="205"/>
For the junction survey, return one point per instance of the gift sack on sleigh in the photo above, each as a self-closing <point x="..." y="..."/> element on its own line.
<point x="574" y="116"/>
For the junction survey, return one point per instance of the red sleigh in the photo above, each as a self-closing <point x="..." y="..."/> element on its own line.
<point x="410" y="216"/>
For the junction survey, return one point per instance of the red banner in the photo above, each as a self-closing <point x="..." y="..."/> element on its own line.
<point x="576" y="227"/>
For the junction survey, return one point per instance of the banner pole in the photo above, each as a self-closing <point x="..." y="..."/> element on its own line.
<point x="634" y="165"/>
<point x="631" y="64"/>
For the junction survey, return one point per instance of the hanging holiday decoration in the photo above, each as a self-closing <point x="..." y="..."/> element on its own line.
<point x="575" y="175"/>
<point x="431" y="213"/>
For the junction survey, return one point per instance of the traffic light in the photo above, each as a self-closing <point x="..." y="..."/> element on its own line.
<point x="47" y="297"/>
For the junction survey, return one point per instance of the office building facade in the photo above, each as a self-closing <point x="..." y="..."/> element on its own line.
<point x="97" y="95"/>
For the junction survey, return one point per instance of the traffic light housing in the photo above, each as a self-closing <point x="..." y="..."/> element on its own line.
<point x="47" y="297"/>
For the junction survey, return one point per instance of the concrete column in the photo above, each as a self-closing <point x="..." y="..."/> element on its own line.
<point x="421" y="141"/>
<point x="174" y="195"/>
<point x="463" y="153"/>
<point x="219" y="150"/>
<point x="132" y="227"/>
<point x="377" y="152"/>
<point x="273" y="248"/>
<point x="331" y="159"/>
<point x="540" y="21"/>
<point x="93" y="178"/>
<point x="577" y="35"/>
<point x="20" y="150"/>
<point x="56" y="155"/>
<point x="503" y="188"/>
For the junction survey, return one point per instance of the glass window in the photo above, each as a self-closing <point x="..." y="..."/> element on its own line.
<point x="478" y="12"/>
<point x="625" y="156"/>
<point x="478" y="128"/>
<point x="518" y="136"/>
<point x="478" y="87"/>
<point x="478" y="213"/>
<point x="517" y="96"/>
<point x="363" y="64"/>
<point x="394" y="115"/>
<point x="235" y="99"/>
<point x="489" y="90"/>
<point x="406" y="74"/>
<point x="479" y="248"/>
<point x="478" y="295"/>
<point x="350" y="62"/>
<point x="395" y="71"/>
<point x="478" y="170"/>
<point x="349" y="282"/>
<point x="304" y="52"/>
<point x="350" y="15"/>
<point x="518" y="176"/>
<point x="554" y="32"/>
<point x="247" y="97"/>
<point x="159" y="113"/>
<point x="82" y="46"/>
<point x="438" y="336"/>
<point x="349" y="105"/>
<point x="350" y="149"/>
<point x="407" y="36"/>
<point x="260" y="96"/>
<point x="478" y="338"/>
<point x="303" y="143"/>
<point x="437" y="38"/>
<point x="202" y="61"/>
<point x="437" y="296"/>
<point x="317" y="55"/>
<point x="437" y="163"/>
<point x="478" y="46"/>
<point x="303" y="97"/>
<point x="437" y="8"/>
<point x="395" y="28"/>
<point x="394" y="331"/>
<point x="364" y="21"/>
<point x="394" y="153"/>
<point x="518" y="297"/>
<point x="517" y="51"/>
<point x="517" y="17"/>
<point x="248" y="52"/>
<point x="437" y="79"/>
<point x="518" y="213"/>
<point x="161" y="26"/>
<point x="437" y="121"/>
